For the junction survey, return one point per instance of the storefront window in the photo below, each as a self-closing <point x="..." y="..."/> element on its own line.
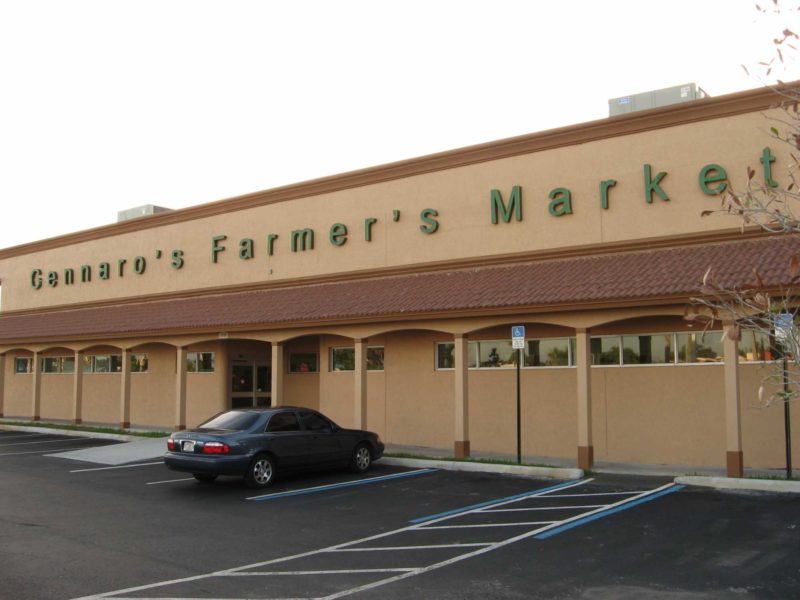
<point x="547" y="353"/>
<point x="497" y="354"/>
<point x="139" y="363"/>
<point x="58" y="364"/>
<point x="445" y="355"/>
<point x="653" y="349"/>
<point x="303" y="362"/>
<point x="344" y="359"/>
<point x="755" y="346"/>
<point x="22" y="365"/>
<point x="375" y="358"/>
<point x="700" y="347"/>
<point x="102" y="363"/>
<point x="51" y="364"/>
<point x="605" y="350"/>
<point x="200" y="362"/>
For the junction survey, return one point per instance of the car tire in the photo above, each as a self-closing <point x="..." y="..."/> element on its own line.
<point x="204" y="477"/>
<point x="362" y="459"/>
<point x="261" y="472"/>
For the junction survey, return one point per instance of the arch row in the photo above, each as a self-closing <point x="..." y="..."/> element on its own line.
<point x="421" y="382"/>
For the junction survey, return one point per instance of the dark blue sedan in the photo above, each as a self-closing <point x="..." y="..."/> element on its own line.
<point x="256" y="443"/>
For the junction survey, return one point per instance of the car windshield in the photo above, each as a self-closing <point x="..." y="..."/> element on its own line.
<point x="233" y="420"/>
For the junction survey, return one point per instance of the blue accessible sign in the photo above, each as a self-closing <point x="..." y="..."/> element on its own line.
<point x="518" y="337"/>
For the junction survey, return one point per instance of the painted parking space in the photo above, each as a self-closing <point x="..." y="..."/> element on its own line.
<point x="426" y="544"/>
<point x="16" y="443"/>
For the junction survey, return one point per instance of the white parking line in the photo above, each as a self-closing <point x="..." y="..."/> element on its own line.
<point x="170" y="481"/>
<point x="327" y="572"/>
<point x="395" y="548"/>
<point x="61" y="441"/>
<point x="507" y="510"/>
<point x="116" y="467"/>
<point x="519" y="524"/>
<point x="597" y="494"/>
<point x="49" y="451"/>
<point x="12" y="437"/>
<point x="400" y="573"/>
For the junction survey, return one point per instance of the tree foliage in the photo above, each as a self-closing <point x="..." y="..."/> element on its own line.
<point x="772" y="205"/>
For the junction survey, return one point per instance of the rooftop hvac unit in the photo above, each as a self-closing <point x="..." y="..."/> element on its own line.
<point x="139" y="211"/>
<point x="655" y="98"/>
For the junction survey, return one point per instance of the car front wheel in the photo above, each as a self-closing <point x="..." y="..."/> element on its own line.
<point x="261" y="472"/>
<point x="362" y="459"/>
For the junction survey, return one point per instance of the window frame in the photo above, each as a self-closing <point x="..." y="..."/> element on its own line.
<point x="333" y="349"/>
<point x="474" y="354"/>
<point x="89" y="365"/>
<point x="28" y="361"/>
<point x="296" y="371"/>
<point x="196" y="356"/>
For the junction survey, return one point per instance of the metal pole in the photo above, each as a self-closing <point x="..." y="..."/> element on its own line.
<point x="787" y="419"/>
<point x="519" y="410"/>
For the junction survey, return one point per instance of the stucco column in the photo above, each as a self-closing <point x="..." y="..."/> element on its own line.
<point x="733" y="423"/>
<point x="360" y="375"/>
<point x="277" y="373"/>
<point x="180" y="388"/>
<point x="2" y="383"/>
<point x="36" y="402"/>
<point x="461" y="393"/>
<point x="583" y="363"/>
<point x="77" y="390"/>
<point x="125" y="391"/>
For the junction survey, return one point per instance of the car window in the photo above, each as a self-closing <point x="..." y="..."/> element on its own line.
<point x="233" y="420"/>
<point x="314" y="422"/>
<point x="284" y="421"/>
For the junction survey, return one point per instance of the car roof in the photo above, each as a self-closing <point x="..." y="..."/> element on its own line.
<point x="266" y="409"/>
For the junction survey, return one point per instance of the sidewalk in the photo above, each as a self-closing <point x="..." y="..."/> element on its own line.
<point x="138" y="449"/>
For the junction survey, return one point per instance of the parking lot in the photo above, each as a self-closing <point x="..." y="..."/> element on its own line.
<point x="74" y="529"/>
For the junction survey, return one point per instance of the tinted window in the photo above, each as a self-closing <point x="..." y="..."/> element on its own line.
<point x="233" y="420"/>
<point x="285" y="421"/>
<point x="314" y="422"/>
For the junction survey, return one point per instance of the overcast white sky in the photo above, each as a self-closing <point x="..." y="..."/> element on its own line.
<point x="106" y="105"/>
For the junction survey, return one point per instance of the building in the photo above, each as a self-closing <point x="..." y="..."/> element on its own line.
<point x="385" y="298"/>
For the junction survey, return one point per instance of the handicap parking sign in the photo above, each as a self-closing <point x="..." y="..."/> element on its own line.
<point x="518" y="336"/>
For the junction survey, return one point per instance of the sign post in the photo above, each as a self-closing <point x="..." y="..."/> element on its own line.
<point x="785" y="332"/>
<point x="518" y="343"/>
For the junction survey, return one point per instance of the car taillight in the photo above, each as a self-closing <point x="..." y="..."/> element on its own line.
<point x="171" y="445"/>
<point x="215" y="448"/>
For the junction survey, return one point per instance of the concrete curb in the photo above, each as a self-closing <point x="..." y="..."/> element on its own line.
<point x="121" y="437"/>
<point x="733" y="483"/>
<point x="454" y="465"/>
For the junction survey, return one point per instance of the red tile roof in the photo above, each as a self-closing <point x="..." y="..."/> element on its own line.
<point x="578" y="281"/>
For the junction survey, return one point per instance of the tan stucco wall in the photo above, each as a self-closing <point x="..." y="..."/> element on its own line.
<point x="207" y="393"/>
<point x="337" y="389"/>
<point x="57" y="395"/>
<point x="18" y="401"/>
<point x="763" y="434"/>
<point x="419" y="407"/>
<point x="460" y="195"/>
<point x="302" y="389"/>
<point x="548" y="408"/>
<point x="153" y="393"/>
<point x="660" y="414"/>
<point x="101" y="397"/>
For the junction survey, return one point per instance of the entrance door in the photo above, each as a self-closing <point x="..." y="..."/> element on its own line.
<point x="251" y="384"/>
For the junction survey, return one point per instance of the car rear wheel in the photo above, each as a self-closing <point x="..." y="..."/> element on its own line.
<point x="362" y="459"/>
<point x="204" y="477"/>
<point x="261" y="472"/>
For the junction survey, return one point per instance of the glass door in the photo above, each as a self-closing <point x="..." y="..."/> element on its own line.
<point x="250" y="384"/>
